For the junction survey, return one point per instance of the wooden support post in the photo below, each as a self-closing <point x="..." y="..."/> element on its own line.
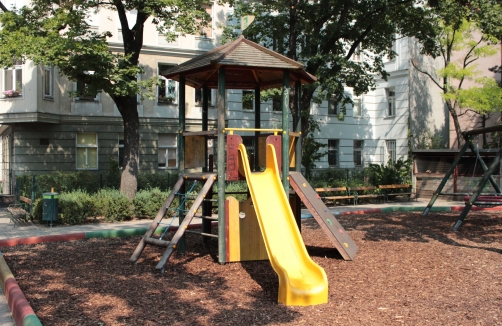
<point x="285" y="131"/>
<point x="181" y="153"/>
<point x="298" y="127"/>
<point x="257" y="125"/>
<point x="221" y="106"/>
<point x="206" y="206"/>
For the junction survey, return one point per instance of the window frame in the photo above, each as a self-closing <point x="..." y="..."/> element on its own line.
<point x="87" y="146"/>
<point x="85" y="98"/>
<point x="333" y="107"/>
<point x="336" y="150"/>
<point x="166" y="85"/>
<point x="48" y="71"/>
<point x="358" y="103"/>
<point x="391" y="102"/>
<point x="211" y="99"/>
<point x="277" y="103"/>
<point x="251" y="102"/>
<point x="18" y="66"/>
<point x="391" y="150"/>
<point x="358" y="147"/>
<point x="167" y="147"/>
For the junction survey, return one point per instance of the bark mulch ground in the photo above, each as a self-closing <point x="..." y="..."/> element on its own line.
<point x="410" y="270"/>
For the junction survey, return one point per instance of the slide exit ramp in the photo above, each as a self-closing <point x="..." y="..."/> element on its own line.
<point x="301" y="281"/>
<point x="330" y="225"/>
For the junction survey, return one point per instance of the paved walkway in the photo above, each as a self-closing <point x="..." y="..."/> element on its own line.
<point x="8" y="231"/>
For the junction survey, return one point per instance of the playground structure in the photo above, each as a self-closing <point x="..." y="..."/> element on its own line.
<point x="476" y="197"/>
<point x="267" y="224"/>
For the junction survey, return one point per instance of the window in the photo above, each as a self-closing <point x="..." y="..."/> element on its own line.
<point x="198" y="97"/>
<point x="48" y="82"/>
<point x="83" y="93"/>
<point x="332" y="106"/>
<point x="167" y="149"/>
<point x="87" y="150"/>
<point x="391" y="102"/>
<point x="167" y="90"/>
<point x="357" y="107"/>
<point x="333" y="152"/>
<point x="208" y="30"/>
<point x="277" y="103"/>
<point x="247" y="100"/>
<point x="390" y="145"/>
<point x="13" y="81"/>
<point x="358" y="152"/>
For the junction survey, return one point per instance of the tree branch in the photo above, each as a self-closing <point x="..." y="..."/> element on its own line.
<point x="427" y="74"/>
<point x="4" y="9"/>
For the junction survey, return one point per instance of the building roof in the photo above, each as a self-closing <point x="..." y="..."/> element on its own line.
<point x="247" y="65"/>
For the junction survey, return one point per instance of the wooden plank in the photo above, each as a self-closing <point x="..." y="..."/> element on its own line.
<point x="25" y="199"/>
<point x="232" y="157"/>
<point x="329" y="224"/>
<point x="194" y="151"/>
<point x="245" y="240"/>
<point x="331" y="189"/>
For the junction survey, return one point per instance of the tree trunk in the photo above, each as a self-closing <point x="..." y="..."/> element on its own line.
<point x="129" y="178"/>
<point x="456" y="123"/>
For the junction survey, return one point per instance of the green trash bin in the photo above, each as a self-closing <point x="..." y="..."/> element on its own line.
<point x="50" y="207"/>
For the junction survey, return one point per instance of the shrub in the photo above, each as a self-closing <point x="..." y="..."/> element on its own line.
<point x="112" y="205"/>
<point x="74" y="207"/>
<point x="393" y="173"/>
<point x="147" y="203"/>
<point x="163" y="181"/>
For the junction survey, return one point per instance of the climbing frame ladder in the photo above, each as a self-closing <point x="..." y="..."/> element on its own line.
<point x="171" y="245"/>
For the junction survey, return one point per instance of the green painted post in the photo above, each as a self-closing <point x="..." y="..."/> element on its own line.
<point x="221" y="106"/>
<point x="485" y="168"/>
<point x="206" y="209"/>
<point x="181" y="155"/>
<point x="257" y="125"/>
<point x="478" y="190"/>
<point x="298" y="127"/>
<point x="285" y="131"/>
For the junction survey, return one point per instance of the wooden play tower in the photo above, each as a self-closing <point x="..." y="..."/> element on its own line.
<point x="240" y="64"/>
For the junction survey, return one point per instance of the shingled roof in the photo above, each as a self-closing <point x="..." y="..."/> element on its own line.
<point x="247" y="65"/>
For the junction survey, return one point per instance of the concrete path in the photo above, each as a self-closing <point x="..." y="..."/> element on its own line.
<point x="8" y="231"/>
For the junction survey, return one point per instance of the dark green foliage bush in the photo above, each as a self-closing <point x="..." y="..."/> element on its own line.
<point x="74" y="207"/>
<point x="147" y="203"/>
<point x="398" y="172"/>
<point x="162" y="181"/>
<point x="38" y="208"/>
<point x="61" y="181"/>
<point x="112" y="205"/>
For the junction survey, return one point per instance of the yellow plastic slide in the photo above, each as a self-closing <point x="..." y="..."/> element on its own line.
<point x="301" y="281"/>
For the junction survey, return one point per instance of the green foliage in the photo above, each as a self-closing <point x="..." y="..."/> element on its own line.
<point x="113" y="177"/>
<point x="74" y="207"/>
<point x="327" y="36"/>
<point x="311" y="147"/>
<point x="112" y="205"/>
<point x="61" y="181"/>
<point x="484" y="99"/>
<point x="429" y="140"/>
<point x="398" y="172"/>
<point x="162" y="181"/>
<point x="147" y="203"/>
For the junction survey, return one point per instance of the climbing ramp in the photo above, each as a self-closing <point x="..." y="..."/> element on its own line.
<point x="301" y="281"/>
<point x="329" y="224"/>
<point x="149" y="238"/>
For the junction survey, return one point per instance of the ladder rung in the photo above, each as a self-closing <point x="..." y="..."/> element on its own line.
<point x="201" y="233"/>
<point x="157" y="242"/>
<point x="213" y="218"/>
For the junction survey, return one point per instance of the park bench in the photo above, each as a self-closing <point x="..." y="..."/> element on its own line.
<point x="396" y="190"/>
<point x="21" y="211"/>
<point x="334" y="194"/>
<point x="365" y="192"/>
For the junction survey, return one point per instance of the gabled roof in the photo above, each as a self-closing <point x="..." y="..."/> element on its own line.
<point x="247" y="65"/>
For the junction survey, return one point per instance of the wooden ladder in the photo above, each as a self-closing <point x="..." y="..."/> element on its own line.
<point x="171" y="245"/>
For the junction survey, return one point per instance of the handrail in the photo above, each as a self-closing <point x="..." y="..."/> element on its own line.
<point x="231" y="130"/>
